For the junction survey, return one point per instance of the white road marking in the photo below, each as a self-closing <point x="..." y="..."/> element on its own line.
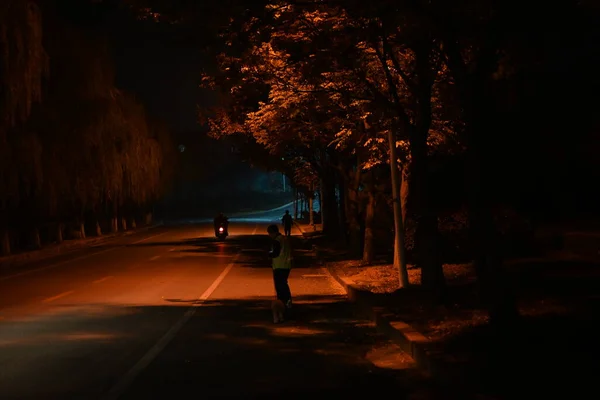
<point x="103" y="279"/>
<point x="154" y="258"/>
<point x="58" y="296"/>
<point x="150" y="237"/>
<point x="29" y="271"/>
<point x="51" y="266"/>
<point x="212" y="255"/>
<point x="117" y="391"/>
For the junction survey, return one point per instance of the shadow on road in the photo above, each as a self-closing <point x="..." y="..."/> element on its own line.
<point x="228" y="349"/>
<point x="253" y="249"/>
<point x="231" y="349"/>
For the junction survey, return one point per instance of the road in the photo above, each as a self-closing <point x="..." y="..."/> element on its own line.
<point x="171" y="313"/>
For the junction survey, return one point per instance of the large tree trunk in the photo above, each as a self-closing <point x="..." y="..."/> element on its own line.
<point x="495" y="289"/>
<point x="404" y="191"/>
<point x="311" y="210"/>
<point x="295" y="203"/>
<point x="369" y="241"/>
<point x="114" y="221"/>
<point x="352" y="205"/>
<point x="427" y="236"/>
<point x="59" y="232"/>
<point x="5" y="242"/>
<point x="343" y="218"/>
<point x="35" y="238"/>
<point x="329" y="207"/>
<point x="494" y="286"/>
<point x="321" y="202"/>
<point x="81" y="228"/>
<point x="114" y="225"/>
<point x="399" y="248"/>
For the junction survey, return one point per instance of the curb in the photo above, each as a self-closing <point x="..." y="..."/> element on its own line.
<point x="299" y="227"/>
<point x="49" y="253"/>
<point x="402" y="334"/>
<point x="302" y="231"/>
<point x="420" y="348"/>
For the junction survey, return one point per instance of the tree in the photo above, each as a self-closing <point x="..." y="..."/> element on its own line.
<point x="483" y="45"/>
<point x="311" y="64"/>
<point x="24" y="64"/>
<point x="69" y="166"/>
<point x="397" y="74"/>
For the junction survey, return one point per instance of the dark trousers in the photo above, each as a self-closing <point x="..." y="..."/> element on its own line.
<point x="288" y="230"/>
<point x="280" y="278"/>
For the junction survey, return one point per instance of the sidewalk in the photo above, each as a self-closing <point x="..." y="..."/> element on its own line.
<point x="66" y="247"/>
<point x="554" y="351"/>
<point x="556" y="341"/>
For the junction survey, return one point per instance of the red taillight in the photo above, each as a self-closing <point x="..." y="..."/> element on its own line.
<point x="221" y="229"/>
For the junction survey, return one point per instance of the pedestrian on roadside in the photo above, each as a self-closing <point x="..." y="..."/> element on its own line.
<point x="281" y="256"/>
<point x="287" y="222"/>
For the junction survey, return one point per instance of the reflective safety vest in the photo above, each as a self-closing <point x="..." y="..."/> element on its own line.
<point x="284" y="260"/>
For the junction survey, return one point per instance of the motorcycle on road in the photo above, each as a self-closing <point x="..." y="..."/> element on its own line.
<point x="221" y="231"/>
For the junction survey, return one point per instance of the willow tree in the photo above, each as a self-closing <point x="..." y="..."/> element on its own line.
<point x="24" y="60"/>
<point x="109" y="164"/>
<point x="24" y="64"/>
<point x="141" y="158"/>
<point x="76" y="118"/>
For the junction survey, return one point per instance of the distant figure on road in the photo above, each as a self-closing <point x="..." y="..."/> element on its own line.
<point x="220" y="219"/>
<point x="281" y="254"/>
<point x="287" y="222"/>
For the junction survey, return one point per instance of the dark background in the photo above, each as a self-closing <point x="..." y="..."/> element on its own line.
<point x="162" y="65"/>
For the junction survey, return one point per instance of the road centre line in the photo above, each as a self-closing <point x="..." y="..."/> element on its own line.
<point x="121" y="387"/>
<point x="103" y="279"/>
<point x="51" y="266"/>
<point x="150" y="237"/>
<point x="211" y="255"/>
<point x="58" y="296"/>
<point x="154" y="258"/>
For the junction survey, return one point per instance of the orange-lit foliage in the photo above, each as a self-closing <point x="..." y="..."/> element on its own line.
<point x="321" y="79"/>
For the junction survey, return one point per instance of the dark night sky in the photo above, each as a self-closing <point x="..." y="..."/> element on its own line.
<point x="162" y="69"/>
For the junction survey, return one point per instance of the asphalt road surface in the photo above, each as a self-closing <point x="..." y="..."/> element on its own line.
<point x="171" y="313"/>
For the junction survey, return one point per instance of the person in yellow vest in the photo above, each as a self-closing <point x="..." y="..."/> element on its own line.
<point x="281" y="256"/>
